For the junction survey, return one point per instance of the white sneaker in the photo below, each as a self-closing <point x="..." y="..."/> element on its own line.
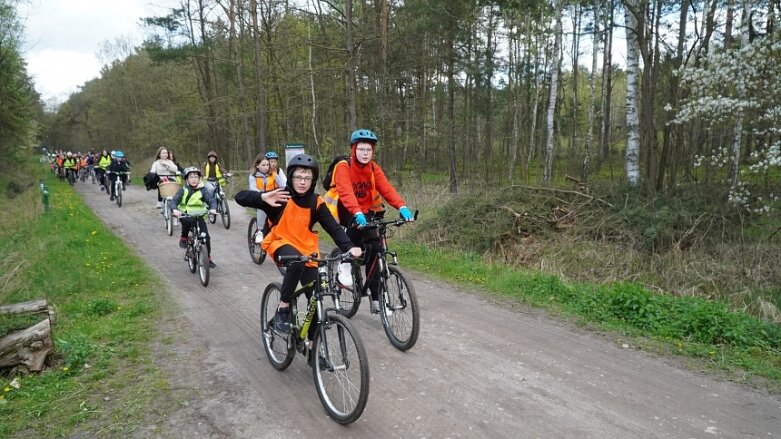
<point x="375" y="306"/>
<point x="159" y="205"/>
<point x="345" y="274"/>
<point x="258" y="237"/>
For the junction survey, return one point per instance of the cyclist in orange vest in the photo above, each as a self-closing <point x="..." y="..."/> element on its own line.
<point x="263" y="179"/>
<point x="362" y="186"/>
<point x="294" y="210"/>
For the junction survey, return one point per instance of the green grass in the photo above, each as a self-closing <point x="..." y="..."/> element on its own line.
<point x="102" y="380"/>
<point x="704" y="330"/>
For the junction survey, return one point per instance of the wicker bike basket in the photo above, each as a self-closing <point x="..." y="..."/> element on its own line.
<point x="169" y="189"/>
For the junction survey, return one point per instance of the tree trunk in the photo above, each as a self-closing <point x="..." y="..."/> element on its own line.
<point x="350" y="66"/>
<point x="26" y="350"/>
<point x="738" y="131"/>
<point x="451" y="90"/>
<point x="607" y="85"/>
<point x="312" y="89"/>
<point x="632" y="155"/>
<point x="554" y="87"/>
<point x="592" y="83"/>
<point x="261" y="137"/>
<point x="577" y="19"/>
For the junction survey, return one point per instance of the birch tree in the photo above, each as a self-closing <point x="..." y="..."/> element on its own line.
<point x="632" y="155"/>
<point x="554" y="86"/>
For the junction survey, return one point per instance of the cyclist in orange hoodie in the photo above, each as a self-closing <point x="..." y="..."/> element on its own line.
<point x="362" y="186"/>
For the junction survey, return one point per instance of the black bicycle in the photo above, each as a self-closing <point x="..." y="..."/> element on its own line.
<point x="256" y="253"/>
<point x="119" y="185"/>
<point x="399" y="312"/>
<point x="222" y="204"/>
<point x="336" y="353"/>
<point x="197" y="254"/>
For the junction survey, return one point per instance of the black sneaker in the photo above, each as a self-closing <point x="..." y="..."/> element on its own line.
<point x="183" y="242"/>
<point x="112" y="198"/>
<point x="211" y="263"/>
<point x="282" y="320"/>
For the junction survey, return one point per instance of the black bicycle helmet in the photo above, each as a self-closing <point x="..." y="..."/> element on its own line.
<point x="303" y="161"/>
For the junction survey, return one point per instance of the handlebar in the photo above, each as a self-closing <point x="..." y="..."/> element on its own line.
<point x="380" y="222"/>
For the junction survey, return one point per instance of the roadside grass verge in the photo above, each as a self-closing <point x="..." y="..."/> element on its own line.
<point x="101" y="381"/>
<point x="705" y="331"/>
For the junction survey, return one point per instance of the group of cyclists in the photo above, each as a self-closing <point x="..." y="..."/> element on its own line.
<point x="287" y="202"/>
<point x="103" y="168"/>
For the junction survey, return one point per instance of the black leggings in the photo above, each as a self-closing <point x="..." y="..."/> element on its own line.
<point x="189" y="222"/>
<point x="297" y="272"/>
<point x="371" y="245"/>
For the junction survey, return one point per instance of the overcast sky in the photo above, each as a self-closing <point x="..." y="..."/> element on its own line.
<point x="63" y="38"/>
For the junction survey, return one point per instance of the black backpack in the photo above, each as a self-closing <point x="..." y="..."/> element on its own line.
<point x="328" y="178"/>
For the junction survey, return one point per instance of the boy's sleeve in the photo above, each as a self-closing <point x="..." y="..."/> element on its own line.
<point x="332" y="227"/>
<point x="386" y="190"/>
<point x="174" y="202"/>
<point x="251" y="199"/>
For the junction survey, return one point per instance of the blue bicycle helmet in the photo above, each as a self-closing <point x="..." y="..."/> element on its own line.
<point x="272" y="155"/>
<point x="119" y="154"/>
<point x="362" y="134"/>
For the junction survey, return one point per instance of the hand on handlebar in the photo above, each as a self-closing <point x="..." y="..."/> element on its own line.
<point x="355" y="252"/>
<point x="176" y="213"/>
<point x="360" y="220"/>
<point x="406" y="214"/>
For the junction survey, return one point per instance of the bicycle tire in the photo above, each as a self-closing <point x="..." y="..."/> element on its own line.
<point x="169" y="221"/>
<point x="203" y="265"/>
<point x="278" y="348"/>
<point x="190" y="256"/>
<point x="349" y="298"/>
<point x="400" y="314"/>
<point x="118" y="196"/>
<point x="225" y="214"/>
<point x="343" y="385"/>
<point x="256" y="253"/>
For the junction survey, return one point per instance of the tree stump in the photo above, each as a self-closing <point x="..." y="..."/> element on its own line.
<point x="26" y="350"/>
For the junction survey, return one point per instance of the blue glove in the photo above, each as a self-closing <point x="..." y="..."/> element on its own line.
<point x="406" y="214"/>
<point x="360" y="220"/>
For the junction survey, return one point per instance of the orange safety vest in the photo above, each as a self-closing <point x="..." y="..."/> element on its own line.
<point x="269" y="184"/>
<point x="293" y="229"/>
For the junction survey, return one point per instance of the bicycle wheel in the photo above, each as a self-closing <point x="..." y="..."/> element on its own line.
<point x="400" y="314"/>
<point x="225" y="214"/>
<point x="203" y="265"/>
<point x="190" y="256"/>
<point x="277" y="346"/>
<point x="340" y="370"/>
<point x="118" y="196"/>
<point x="349" y="298"/>
<point x="169" y="221"/>
<point x="255" y="252"/>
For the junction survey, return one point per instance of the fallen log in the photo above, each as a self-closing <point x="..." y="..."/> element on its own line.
<point x="26" y="350"/>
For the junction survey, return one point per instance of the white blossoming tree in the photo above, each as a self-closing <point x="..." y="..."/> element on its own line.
<point x="738" y="93"/>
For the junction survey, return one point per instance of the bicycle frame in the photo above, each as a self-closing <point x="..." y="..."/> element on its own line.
<point x="321" y="288"/>
<point x="378" y="264"/>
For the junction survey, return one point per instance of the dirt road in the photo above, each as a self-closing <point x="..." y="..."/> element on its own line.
<point x="479" y="370"/>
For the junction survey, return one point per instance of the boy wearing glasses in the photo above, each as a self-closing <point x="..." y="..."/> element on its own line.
<point x="294" y="210"/>
<point x="362" y="186"/>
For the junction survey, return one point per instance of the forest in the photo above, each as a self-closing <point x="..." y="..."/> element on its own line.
<point x="666" y="111"/>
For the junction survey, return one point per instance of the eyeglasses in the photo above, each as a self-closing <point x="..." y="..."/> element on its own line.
<point x="303" y="179"/>
<point x="363" y="150"/>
